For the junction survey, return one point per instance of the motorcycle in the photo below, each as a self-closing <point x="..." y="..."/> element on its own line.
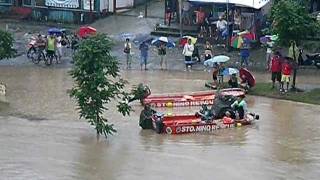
<point x="31" y="46"/>
<point x="310" y="60"/>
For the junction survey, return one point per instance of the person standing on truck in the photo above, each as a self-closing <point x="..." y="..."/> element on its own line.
<point x="240" y="106"/>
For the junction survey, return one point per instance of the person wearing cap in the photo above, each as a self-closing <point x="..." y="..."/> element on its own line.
<point x="240" y="106"/>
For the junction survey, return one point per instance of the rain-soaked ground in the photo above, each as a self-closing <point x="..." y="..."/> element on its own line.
<point x="42" y="138"/>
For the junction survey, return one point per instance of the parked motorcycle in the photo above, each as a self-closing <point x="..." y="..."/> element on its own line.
<point x="310" y="60"/>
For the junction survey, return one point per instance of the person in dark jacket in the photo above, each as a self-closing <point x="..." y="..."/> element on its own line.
<point x="233" y="81"/>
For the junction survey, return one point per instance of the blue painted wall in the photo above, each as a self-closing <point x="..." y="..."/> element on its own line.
<point x="4" y="8"/>
<point x="54" y="15"/>
<point x="65" y="16"/>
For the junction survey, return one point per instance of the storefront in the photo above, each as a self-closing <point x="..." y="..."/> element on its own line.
<point x="73" y="11"/>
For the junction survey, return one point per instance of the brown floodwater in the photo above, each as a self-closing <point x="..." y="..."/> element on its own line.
<point x="42" y="138"/>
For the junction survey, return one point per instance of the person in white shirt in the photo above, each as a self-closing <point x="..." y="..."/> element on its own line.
<point x="268" y="54"/>
<point x="127" y="51"/>
<point x="222" y="27"/>
<point x="59" y="49"/>
<point x="187" y="52"/>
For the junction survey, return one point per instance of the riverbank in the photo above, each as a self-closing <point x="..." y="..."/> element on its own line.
<point x="264" y="89"/>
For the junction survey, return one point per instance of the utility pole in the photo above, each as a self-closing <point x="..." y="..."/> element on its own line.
<point x="228" y="27"/>
<point x="180" y="17"/>
<point x="114" y="6"/>
<point x="91" y="16"/>
<point x="165" y="11"/>
<point x="294" y="67"/>
<point x="145" y="8"/>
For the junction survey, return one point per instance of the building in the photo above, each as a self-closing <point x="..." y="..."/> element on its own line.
<point x="72" y="11"/>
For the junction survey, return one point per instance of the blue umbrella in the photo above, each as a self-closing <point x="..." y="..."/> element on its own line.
<point x="124" y="36"/>
<point x="168" y="43"/>
<point x="216" y="59"/>
<point x="230" y="71"/>
<point x="142" y="38"/>
<point x="54" y="31"/>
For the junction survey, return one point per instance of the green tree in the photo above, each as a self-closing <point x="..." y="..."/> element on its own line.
<point x="292" y="23"/>
<point x="98" y="82"/>
<point x="6" y="43"/>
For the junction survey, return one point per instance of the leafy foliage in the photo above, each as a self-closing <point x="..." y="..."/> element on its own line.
<point x="291" y="21"/>
<point x="98" y="82"/>
<point x="6" y="43"/>
<point x="140" y="92"/>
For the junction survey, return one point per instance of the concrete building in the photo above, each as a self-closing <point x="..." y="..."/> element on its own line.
<point x="73" y="11"/>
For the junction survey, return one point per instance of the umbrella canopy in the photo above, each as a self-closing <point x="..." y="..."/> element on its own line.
<point x="168" y="43"/>
<point x="230" y="71"/>
<point x="85" y="31"/>
<point x="216" y="59"/>
<point x="54" y="31"/>
<point x="264" y="40"/>
<point x="247" y="35"/>
<point x="123" y="36"/>
<point x="184" y="40"/>
<point x="139" y="39"/>
<point x="163" y="39"/>
<point x="246" y="75"/>
<point x="268" y="38"/>
<point x="237" y="41"/>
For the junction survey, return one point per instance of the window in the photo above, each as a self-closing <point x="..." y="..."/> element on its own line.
<point x="40" y="2"/>
<point x="5" y="1"/>
<point x="27" y="2"/>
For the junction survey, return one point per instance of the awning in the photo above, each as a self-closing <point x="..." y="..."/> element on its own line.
<point x="256" y="4"/>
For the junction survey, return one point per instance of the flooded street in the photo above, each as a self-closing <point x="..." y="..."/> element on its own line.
<point x="42" y="138"/>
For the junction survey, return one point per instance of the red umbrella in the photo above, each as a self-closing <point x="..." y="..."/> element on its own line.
<point x="85" y="31"/>
<point x="184" y="40"/>
<point x="246" y="75"/>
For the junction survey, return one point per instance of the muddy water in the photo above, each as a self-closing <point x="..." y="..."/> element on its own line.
<point x="41" y="138"/>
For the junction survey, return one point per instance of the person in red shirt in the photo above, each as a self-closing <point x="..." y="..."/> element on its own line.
<point x="275" y="68"/>
<point x="286" y="73"/>
<point x="227" y="118"/>
<point x="200" y="18"/>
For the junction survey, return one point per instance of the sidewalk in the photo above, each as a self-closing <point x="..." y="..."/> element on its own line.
<point x="155" y="9"/>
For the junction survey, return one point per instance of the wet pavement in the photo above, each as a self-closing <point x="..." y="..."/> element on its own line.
<point x="42" y="138"/>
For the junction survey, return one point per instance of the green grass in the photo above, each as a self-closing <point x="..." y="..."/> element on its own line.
<point x="264" y="89"/>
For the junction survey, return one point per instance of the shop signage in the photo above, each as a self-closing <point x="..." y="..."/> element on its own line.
<point x="63" y="3"/>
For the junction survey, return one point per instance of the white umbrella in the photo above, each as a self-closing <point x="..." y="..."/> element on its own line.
<point x="163" y="39"/>
<point x="216" y="59"/>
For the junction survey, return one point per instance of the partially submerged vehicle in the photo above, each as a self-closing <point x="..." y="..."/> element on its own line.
<point x="143" y="93"/>
<point x="181" y="124"/>
<point x="207" y="119"/>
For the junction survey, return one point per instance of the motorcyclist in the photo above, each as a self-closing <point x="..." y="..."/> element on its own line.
<point x="40" y="42"/>
<point x="206" y="113"/>
<point x="240" y="107"/>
